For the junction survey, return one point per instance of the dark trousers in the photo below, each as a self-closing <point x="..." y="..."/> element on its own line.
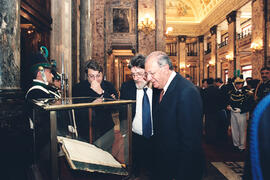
<point x="142" y="154"/>
<point x="222" y="126"/>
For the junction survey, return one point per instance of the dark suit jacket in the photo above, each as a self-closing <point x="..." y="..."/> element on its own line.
<point x="102" y="119"/>
<point x="128" y="91"/>
<point x="178" y="131"/>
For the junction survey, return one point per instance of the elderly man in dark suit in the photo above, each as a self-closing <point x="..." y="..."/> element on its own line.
<point x="177" y="121"/>
<point x="138" y="89"/>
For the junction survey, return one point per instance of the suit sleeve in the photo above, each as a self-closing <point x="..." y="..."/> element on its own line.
<point x="109" y="89"/>
<point x="123" y="94"/>
<point x="189" y="118"/>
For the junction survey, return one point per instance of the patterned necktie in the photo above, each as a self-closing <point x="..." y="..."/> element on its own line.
<point x="146" y="116"/>
<point x="161" y="95"/>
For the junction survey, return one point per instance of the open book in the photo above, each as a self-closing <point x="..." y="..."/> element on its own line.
<point x="88" y="157"/>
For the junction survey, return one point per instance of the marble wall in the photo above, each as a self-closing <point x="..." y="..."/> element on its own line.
<point x="9" y="44"/>
<point x="98" y="31"/>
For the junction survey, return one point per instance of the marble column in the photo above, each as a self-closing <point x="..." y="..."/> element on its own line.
<point x="160" y="24"/>
<point x="201" y="59"/>
<point x="231" y="19"/>
<point x="213" y="31"/>
<point x="75" y="41"/>
<point x="268" y="34"/>
<point x="258" y="27"/>
<point x="86" y="35"/>
<point x="9" y="44"/>
<point x="61" y="38"/>
<point x="182" y="54"/>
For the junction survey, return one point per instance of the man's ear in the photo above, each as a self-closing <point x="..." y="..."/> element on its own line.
<point x="166" y="67"/>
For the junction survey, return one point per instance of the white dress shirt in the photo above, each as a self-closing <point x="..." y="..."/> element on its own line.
<point x="137" y="121"/>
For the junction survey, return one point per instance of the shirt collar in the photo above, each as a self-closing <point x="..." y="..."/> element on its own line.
<point x="173" y="74"/>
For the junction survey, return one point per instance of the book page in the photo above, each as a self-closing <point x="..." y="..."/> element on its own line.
<point x="87" y="153"/>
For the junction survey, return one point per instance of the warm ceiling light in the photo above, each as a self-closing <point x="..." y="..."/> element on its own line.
<point x="146" y="24"/>
<point x="182" y="66"/>
<point x="256" y="47"/>
<point x="229" y="57"/>
<point x="169" y="29"/>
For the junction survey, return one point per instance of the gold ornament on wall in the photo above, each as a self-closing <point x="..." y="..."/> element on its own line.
<point x="146" y="24"/>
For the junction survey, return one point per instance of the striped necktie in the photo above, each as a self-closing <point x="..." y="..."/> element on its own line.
<point x="161" y="95"/>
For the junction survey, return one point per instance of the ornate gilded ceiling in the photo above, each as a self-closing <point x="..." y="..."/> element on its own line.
<point x="195" y="17"/>
<point x="189" y="10"/>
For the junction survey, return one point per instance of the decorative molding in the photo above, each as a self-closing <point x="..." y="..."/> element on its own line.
<point x="217" y="16"/>
<point x="231" y="17"/>
<point x="182" y="38"/>
<point x="201" y="38"/>
<point x="213" y="30"/>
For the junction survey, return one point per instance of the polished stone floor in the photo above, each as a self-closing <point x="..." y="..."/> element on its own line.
<point x="14" y="158"/>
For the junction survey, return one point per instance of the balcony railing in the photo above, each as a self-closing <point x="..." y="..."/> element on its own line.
<point x="243" y="34"/>
<point x="171" y="49"/>
<point x="191" y="53"/>
<point x="222" y="44"/>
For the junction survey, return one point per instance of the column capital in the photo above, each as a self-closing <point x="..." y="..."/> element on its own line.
<point x="201" y="38"/>
<point x="182" y="38"/>
<point x="213" y="30"/>
<point x="231" y="17"/>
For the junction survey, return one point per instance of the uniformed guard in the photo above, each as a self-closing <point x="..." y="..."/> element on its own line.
<point x="40" y="88"/>
<point x="239" y="104"/>
<point x="42" y="78"/>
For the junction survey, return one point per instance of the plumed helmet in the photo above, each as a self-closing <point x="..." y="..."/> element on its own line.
<point x="39" y="62"/>
<point x="239" y="80"/>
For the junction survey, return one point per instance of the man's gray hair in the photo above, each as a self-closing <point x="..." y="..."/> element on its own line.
<point x="162" y="58"/>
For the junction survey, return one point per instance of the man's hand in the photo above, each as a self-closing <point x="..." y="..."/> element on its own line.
<point x="229" y="107"/>
<point x="96" y="87"/>
<point x="113" y="96"/>
<point x="237" y="110"/>
<point x="98" y="100"/>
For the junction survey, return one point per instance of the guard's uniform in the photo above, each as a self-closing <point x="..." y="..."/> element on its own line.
<point x="239" y="99"/>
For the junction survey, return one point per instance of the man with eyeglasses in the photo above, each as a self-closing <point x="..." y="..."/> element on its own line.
<point x="94" y="87"/>
<point x="139" y="89"/>
<point x="177" y="119"/>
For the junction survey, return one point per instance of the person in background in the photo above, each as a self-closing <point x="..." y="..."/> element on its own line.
<point x="134" y="90"/>
<point x="264" y="87"/>
<point x="177" y="121"/>
<point x="40" y="88"/>
<point x="239" y="104"/>
<point x="247" y="86"/>
<point x="212" y="105"/>
<point x="204" y="83"/>
<point x="42" y="79"/>
<point x="95" y="85"/>
<point x="188" y="77"/>
<point x="223" y="122"/>
<point x="95" y="88"/>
